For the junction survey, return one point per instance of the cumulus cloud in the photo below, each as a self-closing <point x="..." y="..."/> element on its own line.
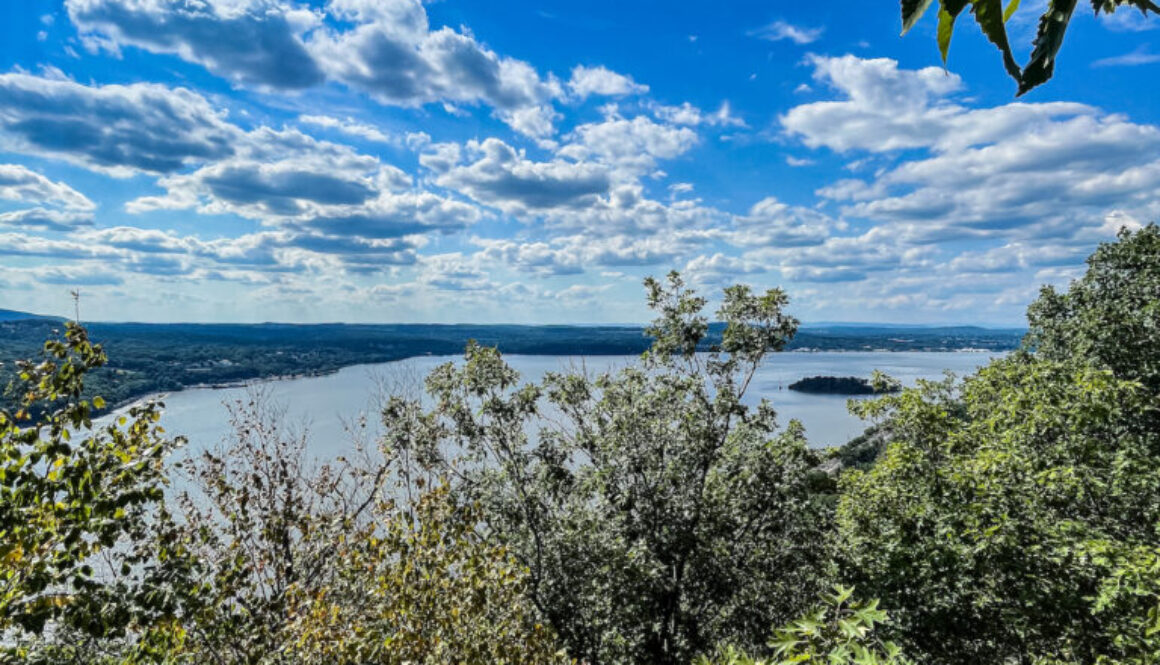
<point x="687" y="114"/>
<point x="162" y="252"/>
<point x="588" y="81"/>
<point x="772" y="223"/>
<point x="537" y="122"/>
<point x="534" y="257"/>
<point x="78" y="275"/>
<point x="255" y="42"/>
<point x="845" y="258"/>
<point x="408" y="68"/>
<point x="19" y="183"/>
<point x="1016" y="169"/>
<point x="45" y="219"/>
<point x="720" y="268"/>
<point x="503" y="177"/>
<point x="384" y="49"/>
<point x="285" y="178"/>
<point x="117" y="129"/>
<point x="23" y="244"/>
<point x="631" y="147"/>
<point x="454" y="272"/>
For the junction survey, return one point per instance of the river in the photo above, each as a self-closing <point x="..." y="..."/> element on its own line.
<point x="326" y="407"/>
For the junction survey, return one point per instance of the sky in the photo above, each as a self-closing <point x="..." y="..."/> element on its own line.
<point x="532" y="162"/>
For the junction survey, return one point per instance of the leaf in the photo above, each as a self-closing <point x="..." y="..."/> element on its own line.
<point x="912" y="10"/>
<point x="1048" y="40"/>
<point x="1144" y="6"/>
<point x="989" y="16"/>
<point x="947" y="14"/>
<point x="1012" y="7"/>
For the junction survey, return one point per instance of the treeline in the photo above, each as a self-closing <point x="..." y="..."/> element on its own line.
<point x="155" y="358"/>
<point x="641" y="516"/>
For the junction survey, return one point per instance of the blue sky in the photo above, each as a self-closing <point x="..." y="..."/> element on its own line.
<point x="386" y="160"/>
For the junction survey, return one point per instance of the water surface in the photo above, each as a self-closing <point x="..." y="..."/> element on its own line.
<point x="328" y="406"/>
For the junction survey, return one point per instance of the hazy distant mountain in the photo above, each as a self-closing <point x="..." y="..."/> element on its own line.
<point x="13" y="315"/>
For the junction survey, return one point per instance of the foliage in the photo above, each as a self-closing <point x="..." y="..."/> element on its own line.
<point x="76" y="504"/>
<point x="1016" y="516"/>
<point x="992" y="19"/>
<point x="288" y="562"/>
<point x="839" y="631"/>
<point x="657" y="512"/>
<point x="257" y="525"/>
<point x="422" y="587"/>
<point x="1109" y="318"/>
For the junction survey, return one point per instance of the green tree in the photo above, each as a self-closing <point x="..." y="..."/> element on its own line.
<point x="76" y="504"/>
<point x="422" y="586"/>
<point x="992" y="18"/>
<point x="277" y="559"/>
<point x="1016" y="517"/>
<point x="839" y="631"/>
<point x="657" y="512"/>
<point x="1110" y="317"/>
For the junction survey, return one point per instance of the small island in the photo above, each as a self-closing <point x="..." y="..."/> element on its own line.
<point x="839" y="385"/>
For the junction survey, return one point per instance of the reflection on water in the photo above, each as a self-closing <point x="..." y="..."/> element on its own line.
<point x="328" y="405"/>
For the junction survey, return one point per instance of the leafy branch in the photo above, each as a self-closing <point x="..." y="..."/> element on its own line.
<point x="992" y="18"/>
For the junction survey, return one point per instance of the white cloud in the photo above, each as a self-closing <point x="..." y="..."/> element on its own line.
<point x="502" y="177"/>
<point x="19" y="183"/>
<point x="288" y="179"/>
<point x="390" y="51"/>
<point x="687" y="114"/>
<point x="248" y="41"/>
<point x="588" y="81"/>
<point x="781" y="30"/>
<point x="632" y="147"/>
<point x="1140" y="56"/>
<point x="349" y="126"/>
<point x="117" y="129"/>
<point x="537" y="122"/>
<point x="1015" y="170"/>
<point x="45" y="219"/>
<point x="772" y="223"/>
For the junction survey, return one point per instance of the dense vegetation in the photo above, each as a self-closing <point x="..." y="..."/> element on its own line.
<point x="646" y="515"/>
<point x="155" y="358"/>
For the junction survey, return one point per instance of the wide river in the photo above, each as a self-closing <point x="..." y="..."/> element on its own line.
<point x="326" y="407"/>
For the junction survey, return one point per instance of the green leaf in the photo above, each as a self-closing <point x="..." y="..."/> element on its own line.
<point x="989" y="16"/>
<point x="947" y="13"/>
<point x="1012" y="7"/>
<point x="912" y="10"/>
<point x="1048" y="40"/>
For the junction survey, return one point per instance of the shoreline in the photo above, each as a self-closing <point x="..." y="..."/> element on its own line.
<point x="244" y="383"/>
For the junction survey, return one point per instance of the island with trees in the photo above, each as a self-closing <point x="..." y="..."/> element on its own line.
<point x="842" y="385"/>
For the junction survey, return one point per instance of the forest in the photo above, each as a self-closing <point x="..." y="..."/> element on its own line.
<point x="1012" y="516"/>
